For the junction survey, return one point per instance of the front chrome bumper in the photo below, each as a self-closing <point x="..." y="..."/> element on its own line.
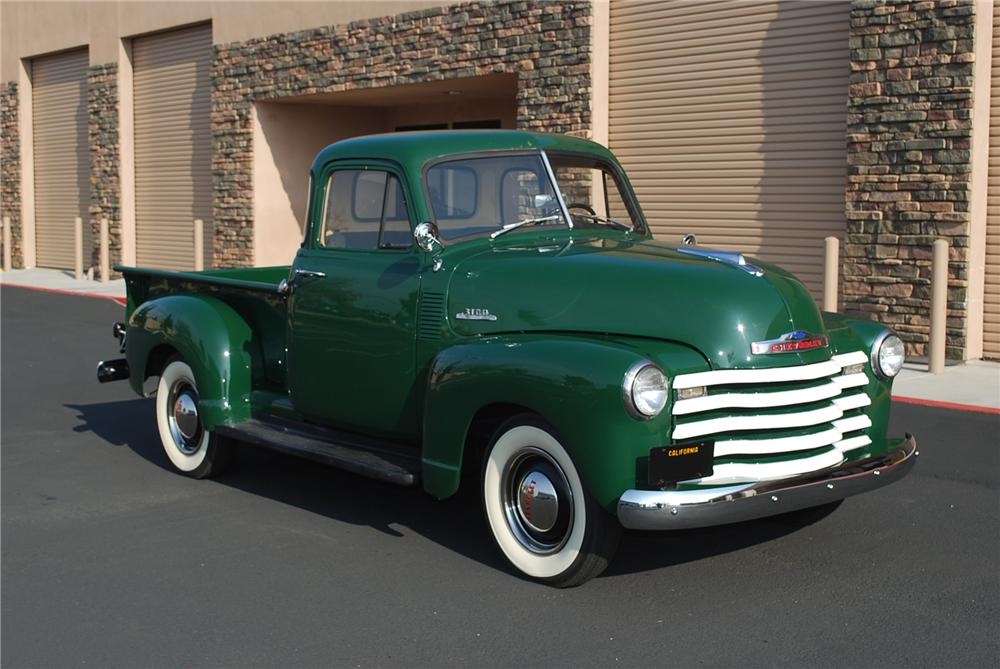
<point x="681" y="509"/>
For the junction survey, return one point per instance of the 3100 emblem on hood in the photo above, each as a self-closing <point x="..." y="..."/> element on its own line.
<point x="791" y="342"/>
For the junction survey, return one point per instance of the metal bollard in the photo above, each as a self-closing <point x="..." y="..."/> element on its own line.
<point x="78" y="248"/>
<point x="199" y="245"/>
<point x="831" y="273"/>
<point x="939" y="308"/>
<point x="6" y="244"/>
<point x="105" y="259"/>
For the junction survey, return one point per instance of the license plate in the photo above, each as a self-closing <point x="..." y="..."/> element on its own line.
<point x="680" y="462"/>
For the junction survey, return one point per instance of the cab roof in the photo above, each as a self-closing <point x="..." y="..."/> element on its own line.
<point x="413" y="149"/>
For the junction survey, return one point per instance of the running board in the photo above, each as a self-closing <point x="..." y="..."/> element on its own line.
<point x="350" y="452"/>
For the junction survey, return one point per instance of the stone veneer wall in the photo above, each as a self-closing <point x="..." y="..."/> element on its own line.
<point x="105" y="190"/>
<point x="547" y="44"/>
<point x="10" y="166"/>
<point x="909" y="165"/>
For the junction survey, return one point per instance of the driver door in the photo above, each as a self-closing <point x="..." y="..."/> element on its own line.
<point x="352" y="310"/>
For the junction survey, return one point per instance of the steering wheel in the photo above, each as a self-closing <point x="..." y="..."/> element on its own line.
<point x="582" y="205"/>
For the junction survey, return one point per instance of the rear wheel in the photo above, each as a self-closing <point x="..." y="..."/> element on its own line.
<point x="192" y="450"/>
<point x="543" y="520"/>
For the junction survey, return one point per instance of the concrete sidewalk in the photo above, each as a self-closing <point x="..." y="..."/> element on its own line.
<point x="975" y="383"/>
<point x="62" y="281"/>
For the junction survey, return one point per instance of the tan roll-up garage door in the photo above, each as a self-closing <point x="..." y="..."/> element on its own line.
<point x="173" y="144"/>
<point x="991" y="315"/>
<point x="62" y="172"/>
<point x="731" y="119"/>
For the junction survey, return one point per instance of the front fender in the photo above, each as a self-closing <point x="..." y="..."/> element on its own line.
<point x="573" y="382"/>
<point x="215" y="342"/>
<point x="853" y="334"/>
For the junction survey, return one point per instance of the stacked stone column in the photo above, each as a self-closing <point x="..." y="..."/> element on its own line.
<point x="909" y="164"/>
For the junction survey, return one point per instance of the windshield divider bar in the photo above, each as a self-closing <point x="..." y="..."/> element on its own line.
<point x="555" y="187"/>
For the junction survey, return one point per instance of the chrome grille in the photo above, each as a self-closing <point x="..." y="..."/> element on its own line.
<point x="814" y="414"/>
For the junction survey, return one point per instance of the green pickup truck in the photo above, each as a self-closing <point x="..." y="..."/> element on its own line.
<point x="490" y="307"/>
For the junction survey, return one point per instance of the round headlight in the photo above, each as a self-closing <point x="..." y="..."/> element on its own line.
<point x="646" y="390"/>
<point x="888" y="355"/>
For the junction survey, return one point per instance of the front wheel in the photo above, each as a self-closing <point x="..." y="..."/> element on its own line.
<point x="542" y="518"/>
<point x="193" y="450"/>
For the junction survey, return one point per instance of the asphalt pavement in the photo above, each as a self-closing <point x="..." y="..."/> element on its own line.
<point x="110" y="559"/>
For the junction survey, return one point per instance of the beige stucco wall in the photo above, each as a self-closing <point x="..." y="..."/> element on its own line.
<point x="286" y="139"/>
<point x="29" y="29"/>
<point x="287" y="136"/>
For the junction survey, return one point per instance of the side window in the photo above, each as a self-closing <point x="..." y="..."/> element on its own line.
<point x="365" y="210"/>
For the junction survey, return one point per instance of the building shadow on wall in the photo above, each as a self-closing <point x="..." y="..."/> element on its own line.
<point x="804" y="72"/>
<point x="456" y="523"/>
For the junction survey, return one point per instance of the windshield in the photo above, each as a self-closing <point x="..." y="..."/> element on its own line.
<point x="477" y="196"/>
<point x="499" y="194"/>
<point x="592" y="192"/>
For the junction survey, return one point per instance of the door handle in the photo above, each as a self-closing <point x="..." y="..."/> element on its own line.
<point x="286" y="285"/>
<point x="307" y="274"/>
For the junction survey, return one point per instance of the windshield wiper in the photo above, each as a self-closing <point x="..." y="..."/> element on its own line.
<point x="520" y="224"/>
<point x="627" y="227"/>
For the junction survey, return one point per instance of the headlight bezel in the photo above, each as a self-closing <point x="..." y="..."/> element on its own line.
<point x="875" y="355"/>
<point x="628" y="389"/>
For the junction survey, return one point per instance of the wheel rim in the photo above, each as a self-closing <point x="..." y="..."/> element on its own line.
<point x="182" y="417"/>
<point x="537" y="501"/>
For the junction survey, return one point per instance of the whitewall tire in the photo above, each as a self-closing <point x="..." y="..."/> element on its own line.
<point x="192" y="450"/>
<point x="541" y="516"/>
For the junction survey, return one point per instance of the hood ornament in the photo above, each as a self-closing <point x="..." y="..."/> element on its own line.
<point x="790" y="342"/>
<point x="728" y="257"/>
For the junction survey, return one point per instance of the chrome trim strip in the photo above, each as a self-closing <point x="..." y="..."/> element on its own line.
<point x="756" y="400"/>
<point x="758" y="422"/>
<point x="731" y="258"/>
<point x="745" y="472"/>
<point x="802" y="442"/>
<point x="679" y="509"/>
<point x="558" y="191"/>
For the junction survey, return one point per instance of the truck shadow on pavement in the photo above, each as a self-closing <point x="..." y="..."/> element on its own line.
<point x="455" y="523"/>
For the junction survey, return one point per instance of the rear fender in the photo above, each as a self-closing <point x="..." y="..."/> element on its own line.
<point x="573" y="382"/>
<point x="215" y="342"/>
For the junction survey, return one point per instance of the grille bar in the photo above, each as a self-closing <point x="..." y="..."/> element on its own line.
<point x="760" y="422"/>
<point x="772" y="375"/>
<point x="757" y="400"/>
<point x="739" y="472"/>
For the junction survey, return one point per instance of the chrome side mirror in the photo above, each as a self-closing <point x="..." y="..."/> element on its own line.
<point x="689" y="239"/>
<point x="427" y="236"/>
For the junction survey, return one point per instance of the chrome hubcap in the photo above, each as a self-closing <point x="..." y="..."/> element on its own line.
<point x="185" y="425"/>
<point x="537" y="501"/>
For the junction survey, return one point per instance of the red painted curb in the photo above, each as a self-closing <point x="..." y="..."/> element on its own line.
<point x="119" y="300"/>
<point x="946" y="405"/>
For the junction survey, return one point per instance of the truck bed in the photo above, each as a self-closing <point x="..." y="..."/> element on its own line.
<point x="251" y="292"/>
<point x="144" y="283"/>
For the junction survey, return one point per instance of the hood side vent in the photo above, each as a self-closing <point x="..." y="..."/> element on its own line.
<point x="431" y="316"/>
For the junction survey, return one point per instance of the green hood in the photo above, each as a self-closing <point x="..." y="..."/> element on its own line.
<point x="639" y="288"/>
